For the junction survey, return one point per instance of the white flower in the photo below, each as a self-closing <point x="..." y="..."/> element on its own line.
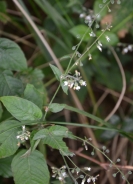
<point x="90" y="57"/>
<point x="71" y="85"/>
<point x="88" y="17"/>
<point x="98" y="46"/>
<point x="99" y="43"/>
<point x="93" y="179"/>
<point x="84" y="83"/>
<point x="77" y="73"/>
<point x="65" y="83"/>
<point x="23" y="128"/>
<point x="130" y="47"/>
<point x="125" y="50"/>
<point x="83" y="181"/>
<point x="87" y="168"/>
<point x="18" y="137"/>
<point x="107" y="38"/>
<point x="92" y="34"/>
<point x="60" y="178"/>
<point x="77" y="88"/>
<point x="88" y="180"/>
<point x="82" y="15"/>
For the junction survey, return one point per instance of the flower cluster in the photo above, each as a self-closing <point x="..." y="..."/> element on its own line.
<point x="23" y="135"/>
<point x="127" y="49"/>
<point x="88" y="180"/>
<point x="59" y="174"/>
<point x="74" y="81"/>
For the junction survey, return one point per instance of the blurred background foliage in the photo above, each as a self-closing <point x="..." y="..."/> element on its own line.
<point x="62" y="23"/>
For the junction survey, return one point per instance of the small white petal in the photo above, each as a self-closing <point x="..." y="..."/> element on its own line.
<point x="107" y="38"/>
<point x="23" y="127"/>
<point x="99" y="43"/>
<point x="65" y="83"/>
<point x="77" y="87"/>
<point x="99" y="47"/>
<point x="82" y="15"/>
<point x="71" y="85"/>
<point x="83" y="181"/>
<point x="89" y="180"/>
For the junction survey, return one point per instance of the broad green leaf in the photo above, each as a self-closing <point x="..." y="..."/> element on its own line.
<point x="55" y="107"/>
<point x="112" y="36"/>
<point x="5" y="167"/>
<point x="56" y="72"/>
<point x="61" y="131"/>
<point x="35" y="77"/>
<point x="53" y="137"/>
<point x="99" y="9"/>
<point x="33" y="95"/>
<point x="8" y="140"/>
<point x="12" y="56"/>
<point x="79" y="31"/>
<point x="30" y="169"/>
<point x="10" y="85"/>
<point x="21" y="109"/>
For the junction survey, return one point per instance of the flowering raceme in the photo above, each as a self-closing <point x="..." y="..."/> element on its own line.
<point x="74" y="81"/>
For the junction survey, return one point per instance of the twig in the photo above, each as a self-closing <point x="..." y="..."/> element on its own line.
<point x="123" y="88"/>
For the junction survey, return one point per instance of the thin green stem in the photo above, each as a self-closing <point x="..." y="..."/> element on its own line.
<point x="88" y="49"/>
<point x="68" y="169"/>
<point x="36" y="144"/>
<point x="51" y="101"/>
<point x="50" y="82"/>
<point x="122" y="23"/>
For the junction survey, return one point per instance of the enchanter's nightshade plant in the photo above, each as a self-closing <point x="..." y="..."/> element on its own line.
<point x="27" y="125"/>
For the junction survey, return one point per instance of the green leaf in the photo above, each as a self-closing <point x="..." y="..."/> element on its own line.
<point x="31" y="169"/>
<point x="113" y="38"/>
<point x="5" y="167"/>
<point x="10" y="85"/>
<point x="21" y="109"/>
<point x="12" y="56"/>
<point x="56" y="72"/>
<point x="55" y="107"/>
<point x="53" y="137"/>
<point x="33" y="95"/>
<point x="8" y="140"/>
<point x="88" y="115"/>
<point x="79" y="31"/>
<point x="35" y="77"/>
